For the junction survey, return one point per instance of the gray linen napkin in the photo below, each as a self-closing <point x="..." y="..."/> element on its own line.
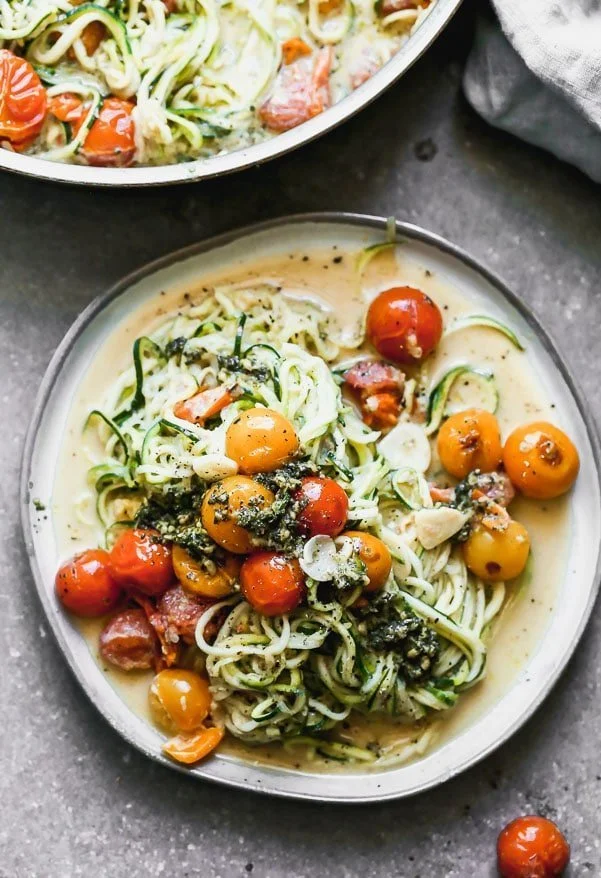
<point x="540" y="77"/>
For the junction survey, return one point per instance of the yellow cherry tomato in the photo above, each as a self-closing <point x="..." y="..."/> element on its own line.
<point x="496" y="554"/>
<point x="179" y="700"/>
<point x="541" y="461"/>
<point x="260" y="440"/>
<point x="374" y="554"/>
<point x="195" y="579"/>
<point x="219" y="507"/>
<point x="470" y="440"/>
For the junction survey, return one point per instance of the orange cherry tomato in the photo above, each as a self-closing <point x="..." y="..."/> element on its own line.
<point x="85" y="586"/>
<point x="470" y="440"/>
<point x="180" y="700"/>
<point x="404" y="325"/>
<point x="203" y="405"/>
<point x="196" y="579"/>
<point x="220" y="505"/>
<point x="272" y="583"/>
<point x="260" y="440"/>
<point x="495" y="554"/>
<point x="294" y="48"/>
<point x="374" y="554"/>
<point x="193" y="746"/>
<point x="326" y="507"/>
<point x="541" y="461"/>
<point x="110" y="141"/>
<point x="532" y="847"/>
<point x="23" y="102"/>
<point x="139" y="560"/>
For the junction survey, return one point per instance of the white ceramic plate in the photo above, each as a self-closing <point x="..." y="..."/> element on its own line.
<point x="573" y="603"/>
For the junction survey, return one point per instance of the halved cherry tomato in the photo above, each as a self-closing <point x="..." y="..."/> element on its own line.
<point x="301" y="92"/>
<point x="220" y="505"/>
<point x="532" y="847"/>
<point x="23" y="102"/>
<point x="192" y="746"/>
<point x="326" y="507"/>
<point x="272" y="583"/>
<point x="85" y="586"/>
<point x="110" y="141"/>
<point x="470" y="440"/>
<point x="196" y="579"/>
<point x="203" y="405"/>
<point x="139" y="560"/>
<point x="374" y="554"/>
<point x="260" y="440"/>
<point x="404" y="324"/>
<point x="180" y="700"/>
<point x="541" y="461"/>
<point x="293" y="49"/>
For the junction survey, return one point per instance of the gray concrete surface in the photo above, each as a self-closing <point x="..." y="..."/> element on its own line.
<point x="74" y="799"/>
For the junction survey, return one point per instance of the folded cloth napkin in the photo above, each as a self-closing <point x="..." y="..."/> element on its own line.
<point x="540" y="76"/>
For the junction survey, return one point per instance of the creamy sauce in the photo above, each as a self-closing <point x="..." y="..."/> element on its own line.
<point x="329" y="276"/>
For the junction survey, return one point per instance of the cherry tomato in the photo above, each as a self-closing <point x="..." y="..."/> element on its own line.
<point x="85" y="586"/>
<point x="326" y="507"/>
<point x="301" y="91"/>
<point x="532" y="847"/>
<point x="111" y="139"/>
<point x="23" y="102"/>
<point x="374" y="554"/>
<point x="128" y="641"/>
<point x="140" y="561"/>
<point x="260" y="440"/>
<point x="293" y="49"/>
<point x="192" y="746"/>
<point x="404" y="325"/>
<point x="496" y="554"/>
<point x="219" y="507"/>
<point x="272" y="583"/>
<point x="179" y="700"/>
<point x="203" y="405"/>
<point x="196" y="579"/>
<point x="541" y="461"/>
<point x="470" y="440"/>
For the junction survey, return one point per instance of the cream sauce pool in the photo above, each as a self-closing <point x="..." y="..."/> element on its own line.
<point x="329" y="276"/>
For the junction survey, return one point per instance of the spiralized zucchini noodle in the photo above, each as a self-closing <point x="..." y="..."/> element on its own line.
<point x="297" y="678"/>
<point x="197" y="72"/>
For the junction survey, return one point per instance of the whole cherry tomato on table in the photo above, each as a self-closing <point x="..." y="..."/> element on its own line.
<point x="272" y="583"/>
<point x="85" y="585"/>
<point x="404" y="325"/>
<point x="139" y="560"/>
<point x="541" y="461"/>
<point x="325" y="507"/>
<point x="532" y="847"/>
<point x="23" y="103"/>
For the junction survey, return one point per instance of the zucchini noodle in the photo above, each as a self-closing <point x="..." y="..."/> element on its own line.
<point x="295" y="678"/>
<point x="195" y="71"/>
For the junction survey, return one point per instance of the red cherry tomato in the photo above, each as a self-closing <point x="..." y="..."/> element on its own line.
<point x="271" y="583"/>
<point x="404" y="325"/>
<point x="532" y="847"/>
<point x="140" y="561"/>
<point x="22" y="100"/>
<point x="326" y="507"/>
<point x="111" y="139"/>
<point x="85" y="586"/>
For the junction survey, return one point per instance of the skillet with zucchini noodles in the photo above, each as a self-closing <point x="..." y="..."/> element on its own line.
<point x="301" y="529"/>
<point x="121" y="82"/>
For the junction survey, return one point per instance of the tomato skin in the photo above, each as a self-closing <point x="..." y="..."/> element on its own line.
<point x="532" y="847"/>
<point x="139" y="560"/>
<point x="404" y="325"/>
<point x="541" y="460"/>
<point x="326" y="508"/>
<point x="85" y="586"/>
<point x="23" y="103"/>
<point x="271" y="583"/>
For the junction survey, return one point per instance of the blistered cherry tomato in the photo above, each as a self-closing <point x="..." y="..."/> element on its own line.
<point x="470" y="440"/>
<point x="496" y="554"/>
<point x="128" y="641"/>
<point x="110" y="141"/>
<point x="260" y="440"/>
<point x="404" y="325"/>
<point x="197" y="580"/>
<point x="23" y="102"/>
<point x="272" y="583"/>
<point x="179" y="700"/>
<point x="541" y="461"/>
<point x="532" y="847"/>
<point x="326" y="507"/>
<point x="85" y="586"/>
<point x="220" y="505"/>
<point x="139" y="560"/>
<point x="374" y="554"/>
